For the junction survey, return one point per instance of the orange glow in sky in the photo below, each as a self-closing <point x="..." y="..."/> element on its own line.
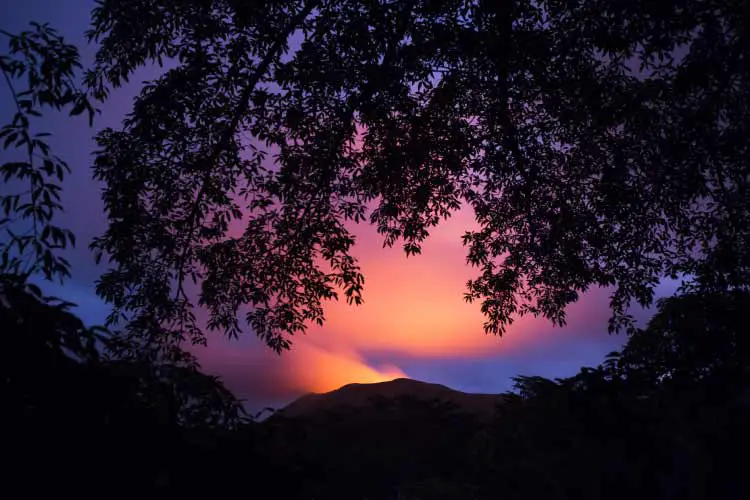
<point x="319" y="370"/>
<point x="413" y="307"/>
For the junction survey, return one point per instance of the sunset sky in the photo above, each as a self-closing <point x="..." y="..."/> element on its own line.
<point x="414" y="321"/>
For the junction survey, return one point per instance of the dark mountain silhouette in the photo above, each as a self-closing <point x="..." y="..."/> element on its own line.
<point x="361" y="396"/>
<point x="377" y="440"/>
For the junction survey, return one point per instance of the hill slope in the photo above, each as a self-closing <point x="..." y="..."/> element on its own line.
<point x="363" y="395"/>
<point x="379" y="440"/>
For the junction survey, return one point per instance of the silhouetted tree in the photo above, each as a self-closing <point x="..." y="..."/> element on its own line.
<point x="68" y="407"/>
<point x="665" y="417"/>
<point x="73" y="406"/>
<point x="597" y="142"/>
<point x="693" y="338"/>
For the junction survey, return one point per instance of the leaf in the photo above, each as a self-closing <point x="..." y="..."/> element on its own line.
<point x="49" y="167"/>
<point x="10" y="139"/>
<point x="78" y="108"/>
<point x="35" y="290"/>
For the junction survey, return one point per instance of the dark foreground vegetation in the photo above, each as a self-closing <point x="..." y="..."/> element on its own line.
<point x="665" y="418"/>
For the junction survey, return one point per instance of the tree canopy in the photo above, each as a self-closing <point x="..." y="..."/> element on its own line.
<point x="598" y="143"/>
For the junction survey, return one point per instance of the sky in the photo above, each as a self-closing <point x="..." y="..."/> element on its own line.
<point x="414" y="322"/>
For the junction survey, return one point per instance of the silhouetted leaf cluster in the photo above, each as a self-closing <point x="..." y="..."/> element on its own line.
<point x="44" y="65"/>
<point x="598" y="143"/>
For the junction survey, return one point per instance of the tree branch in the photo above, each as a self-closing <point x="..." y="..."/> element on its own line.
<point x="223" y="144"/>
<point x="367" y="93"/>
<point x="29" y="158"/>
